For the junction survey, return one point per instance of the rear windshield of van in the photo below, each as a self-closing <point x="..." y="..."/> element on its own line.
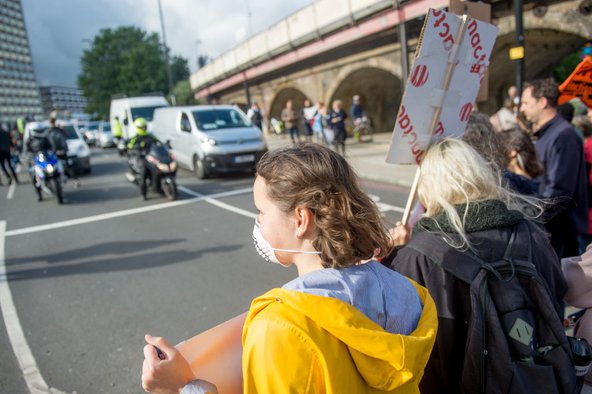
<point x="145" y="112"/>
<point x="70" y="133"/>
<point x="216" y="119"/>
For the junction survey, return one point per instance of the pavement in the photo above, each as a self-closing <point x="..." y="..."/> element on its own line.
<point x="367" y="158"/>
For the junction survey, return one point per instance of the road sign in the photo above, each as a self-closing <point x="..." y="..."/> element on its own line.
<point x="516" y="53"/>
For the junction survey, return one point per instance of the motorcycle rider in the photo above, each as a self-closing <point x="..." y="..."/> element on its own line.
<point x="57" y="138"/>
<point x="139" y="146"/>
<point x="36" y="143"/>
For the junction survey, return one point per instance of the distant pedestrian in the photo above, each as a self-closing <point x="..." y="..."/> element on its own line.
<point x="561" y="153"/>
<point x="255" y="115"/>
<point x="290" y="119"/>
<point x="6" y="147"/>
<point x="505" y="118"/>
<point x="308" y="113"/>
<point x="319" y="123"/>
<point x="336" y="119"/>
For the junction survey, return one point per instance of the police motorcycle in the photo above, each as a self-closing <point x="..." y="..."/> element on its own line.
<point x="161" y="166"/>
<point x="47" y="172"/>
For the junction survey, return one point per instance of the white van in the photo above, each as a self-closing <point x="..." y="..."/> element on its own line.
<point x="210" y="139"/>
<point x="128" y="109"/>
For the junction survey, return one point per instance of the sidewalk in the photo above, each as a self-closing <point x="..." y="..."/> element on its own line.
<point x="368" y="159"/>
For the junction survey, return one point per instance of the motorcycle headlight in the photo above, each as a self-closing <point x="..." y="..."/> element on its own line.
<point x="50" y="168"/>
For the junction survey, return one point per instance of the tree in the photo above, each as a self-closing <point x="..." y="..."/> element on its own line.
<point x="127" y="61"/>
<point x="183" y="93"/>
<point x="179" y="69"/>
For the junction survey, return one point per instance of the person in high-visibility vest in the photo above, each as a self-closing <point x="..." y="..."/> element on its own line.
<point x="20" y="125"/>
<point x="117" y="131"/>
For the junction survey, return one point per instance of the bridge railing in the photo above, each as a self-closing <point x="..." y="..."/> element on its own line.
<point x="306" y="25"/>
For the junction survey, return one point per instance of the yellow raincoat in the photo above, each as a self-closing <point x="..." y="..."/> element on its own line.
<point x="295" y="342"/>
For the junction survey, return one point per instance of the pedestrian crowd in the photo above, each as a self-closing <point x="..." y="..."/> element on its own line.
<point x="470" y="298"/>
<point x="318" y="123"/>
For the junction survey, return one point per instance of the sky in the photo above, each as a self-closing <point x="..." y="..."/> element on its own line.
<point x="59" y="30"/>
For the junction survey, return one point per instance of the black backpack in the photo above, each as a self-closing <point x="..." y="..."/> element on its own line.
<point x="516" y="343"/>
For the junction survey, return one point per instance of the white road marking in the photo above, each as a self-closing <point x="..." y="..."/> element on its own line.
<point x="382" y="207"/>
<point x="16" y="336"/>
<point x="127" y="212"/>
<point x="211" y="200"/>
<point x="10" y="193"/>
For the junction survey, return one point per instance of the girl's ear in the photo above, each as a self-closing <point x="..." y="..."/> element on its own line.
<point x="304" y="221"/>
<point x="513" y="153"/>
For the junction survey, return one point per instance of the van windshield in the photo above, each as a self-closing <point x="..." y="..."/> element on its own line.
<point x="145" y="112"/>
<point x="216" y="119"/>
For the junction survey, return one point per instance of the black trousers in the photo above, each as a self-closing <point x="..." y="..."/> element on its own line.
<point x="5" y="159"/>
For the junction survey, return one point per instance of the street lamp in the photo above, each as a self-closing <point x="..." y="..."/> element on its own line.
<point x="166" y="56"/>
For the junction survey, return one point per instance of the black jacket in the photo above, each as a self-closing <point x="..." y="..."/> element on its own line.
<point x="561" y="152"/>
<point x="489" y="229"/>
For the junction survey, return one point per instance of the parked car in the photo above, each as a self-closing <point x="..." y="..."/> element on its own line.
<point x="210" y="139"/>
<point x="90" y="132"/>
<point x="78" y="150"/>
<point x="105" y="136"/>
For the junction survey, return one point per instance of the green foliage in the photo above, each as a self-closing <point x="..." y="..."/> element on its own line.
<point x="179" y="69"/>
<point x="183" y="93"/>
<point x="566" y="67"/>
<point x="126" y="60"/>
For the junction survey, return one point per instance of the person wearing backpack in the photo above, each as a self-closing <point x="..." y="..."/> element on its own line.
<point x="495" y="279"/>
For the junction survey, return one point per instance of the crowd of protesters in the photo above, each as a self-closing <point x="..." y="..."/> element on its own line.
<point x="501" y="246"/>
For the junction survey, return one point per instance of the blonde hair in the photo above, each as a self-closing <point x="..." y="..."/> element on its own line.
<point x="350" y="227"/>
<point x="453" y="173"/>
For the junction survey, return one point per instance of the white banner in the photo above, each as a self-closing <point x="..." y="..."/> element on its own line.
<point x="453" y="55"/>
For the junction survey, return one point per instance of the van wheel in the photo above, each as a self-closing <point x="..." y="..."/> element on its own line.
<point x="200" y="168"/>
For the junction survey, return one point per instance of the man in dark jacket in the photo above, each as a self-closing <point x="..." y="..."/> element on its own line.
<point x="561" y="153"/>
<point x="6" y="145"/>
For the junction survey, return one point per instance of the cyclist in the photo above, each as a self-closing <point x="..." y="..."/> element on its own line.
<point x="360" y="120"/>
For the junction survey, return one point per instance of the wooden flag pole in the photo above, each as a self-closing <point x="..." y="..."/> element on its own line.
<point x="448" y="77"/>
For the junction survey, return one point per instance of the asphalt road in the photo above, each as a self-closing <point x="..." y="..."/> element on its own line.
<point x="90" y="277"/>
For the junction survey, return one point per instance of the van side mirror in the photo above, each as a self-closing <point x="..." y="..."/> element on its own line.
<point x="125" y="122"/>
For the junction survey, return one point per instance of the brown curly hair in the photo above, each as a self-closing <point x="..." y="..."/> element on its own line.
<point x="350" y="228"/>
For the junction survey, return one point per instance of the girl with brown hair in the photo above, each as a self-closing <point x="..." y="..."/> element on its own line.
<point x="347" y="324"/>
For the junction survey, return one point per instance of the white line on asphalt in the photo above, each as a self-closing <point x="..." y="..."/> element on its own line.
<point x="220" y="204"/>
<point x="11" y="191"/>
<point x="385" y="207"/>
<point x="126" y="212"/>
<point x="16" y="336"/>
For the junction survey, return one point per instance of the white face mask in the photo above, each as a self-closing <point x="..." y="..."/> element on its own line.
<point x="266" y="251"/>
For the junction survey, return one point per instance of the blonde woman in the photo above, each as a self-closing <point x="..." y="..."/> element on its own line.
<point x="468" y="209"/>
<point x="344" y="325"/>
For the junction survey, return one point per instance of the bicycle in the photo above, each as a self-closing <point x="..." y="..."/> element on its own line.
<point x="363" y="131"/>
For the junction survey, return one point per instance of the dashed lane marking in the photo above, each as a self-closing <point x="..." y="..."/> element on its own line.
<point x="10" y="193"/>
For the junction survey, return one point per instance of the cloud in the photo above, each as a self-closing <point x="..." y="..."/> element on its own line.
<point x="57" y="28"/>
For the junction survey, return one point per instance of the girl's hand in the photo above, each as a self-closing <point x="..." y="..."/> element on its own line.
<point x="166" y="374"/>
